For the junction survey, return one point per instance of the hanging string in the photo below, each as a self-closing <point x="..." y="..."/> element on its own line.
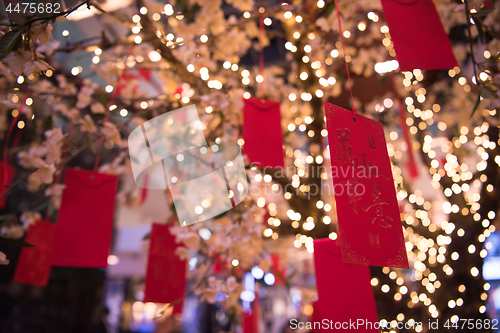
<point x="110" y="102"/>
<point x="7" y="137"/>
<point x="404" y="128"/>
<point x="345" y="55"/>
<point x="261" y="56"/>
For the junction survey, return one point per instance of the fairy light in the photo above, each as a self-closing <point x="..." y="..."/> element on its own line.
<point x="169" y="10"/>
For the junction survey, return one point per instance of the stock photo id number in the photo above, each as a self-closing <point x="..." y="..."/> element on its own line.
<point x="22" y="11"/>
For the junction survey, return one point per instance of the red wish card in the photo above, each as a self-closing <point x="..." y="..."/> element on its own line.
<point x="345" y="294"/>
<point x="279" y="272"/>
<point x="418" y="35"/>
<point x="262" y="133"/>
<point x="6" y="174"/>
<point x="251" y="318"/>
<point x="166" y="274"/>
<point x="33" y="266"/>
<point x="85" y="223"/>
<point x="365" y="197"/>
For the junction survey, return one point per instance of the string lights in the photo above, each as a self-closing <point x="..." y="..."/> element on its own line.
<point x="430" y="229"/>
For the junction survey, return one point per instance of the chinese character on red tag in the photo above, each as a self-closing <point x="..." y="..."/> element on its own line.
<point x="367" y="208"/>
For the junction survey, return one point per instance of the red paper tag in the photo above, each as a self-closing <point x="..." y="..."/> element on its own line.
<point x="367" y="207"/>
<point x="262" y="133"/>
<point x="10" y="175"/>
<point x="33" y="266"/>
<point x="166" y="274"/>
<point x="418" y="35"/>
<point x="277" y="270"/>
<point x="251" y="318"/>
<point x="85" y="222"/>
<point x="345" y="294"/>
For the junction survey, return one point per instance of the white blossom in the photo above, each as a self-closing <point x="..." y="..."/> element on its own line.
<point x="55" y="192"/>
<point x="111" y="132"/>
<point x="36" y="67"/>
<point x="87" y="124"/>
<point x="3" y="259"/>
<point x="42" y="32"/>
<point x="16" y="62"/>
<point x="29" y="218"/>
<point x="97" y="108"/>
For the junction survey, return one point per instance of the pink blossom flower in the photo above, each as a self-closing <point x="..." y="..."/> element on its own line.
<point x="29" y="218"/>
<point x="42" y="32"/>
<point x="36" y="67"/>
<point x="16" y="62"/>
<point x="87" y="125"/>
<point x="3" y="259"/>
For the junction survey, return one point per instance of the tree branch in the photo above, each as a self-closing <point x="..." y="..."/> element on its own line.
<point x="176" y="65"/>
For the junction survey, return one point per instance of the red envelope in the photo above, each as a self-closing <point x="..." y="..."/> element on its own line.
<point x="85" y="223"/>
<point x="365" y="197"/>
<point x="166" y="274"/>
<point x="251" y="318"/>
<point x="5" y="180"/>
<point x="344" y="291"/>
<point x="262" y="133"/>
<point x="277" y="270"/>
<point x="418" y="35"/>
<point x="33" y="266"/>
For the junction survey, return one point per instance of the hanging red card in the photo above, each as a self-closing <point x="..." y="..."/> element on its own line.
<point x="365" y="196"/>
<point x="345" y="294"/>
<point x="7" y="172"/>
<point x="166" y="273"/>
<point x="251" y="318"/>
<point x="262" y="133"/>
<point x="418" y="35"/>
<point x="85" y="223"/>
<point x="33" y="265"/>
<point x="279" y="272"/>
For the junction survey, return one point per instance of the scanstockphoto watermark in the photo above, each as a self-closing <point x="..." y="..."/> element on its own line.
<point x="353" y="187"/>
<point x="206" y="179"/>
<point x="353" y="324"/>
